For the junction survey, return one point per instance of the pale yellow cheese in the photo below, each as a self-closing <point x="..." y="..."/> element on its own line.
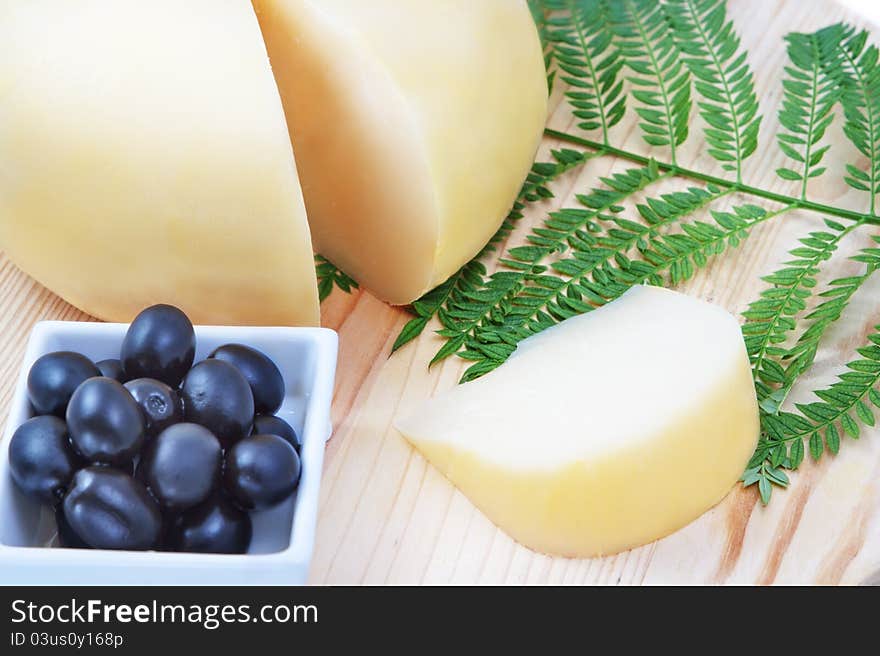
<point x="608" y="431"/>
<point x="414" y="125"/>
<point x="144" y="157"/>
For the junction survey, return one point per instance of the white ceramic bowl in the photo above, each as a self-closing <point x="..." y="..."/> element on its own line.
<point x="283" y="536"/>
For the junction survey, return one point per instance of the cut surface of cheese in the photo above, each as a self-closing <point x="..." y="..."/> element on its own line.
<point x="605" y="432"/>
<point x="145" y="158"/>
<point x="414" y="124"/>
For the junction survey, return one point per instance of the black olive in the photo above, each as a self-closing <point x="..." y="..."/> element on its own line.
<point x="160" y="344"/>
<point x="272" y="425"/>
<point x="159" y="404"/>
<point x="41" y="459"/>
<point x="261" y="373"/>
<point x="53" y="379"/>
<point x="215" y="526"/>
<point x="219" y="398"/>
<point x="111" y="368"/>
<point x="109" y="509"/>
<point x="105" y="422"/>
<point x="67" y="537"/>
<point x="261" y="471"/>
<point x="181" y="467"/>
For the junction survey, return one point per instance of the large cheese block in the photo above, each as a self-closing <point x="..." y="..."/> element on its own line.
<point x="414" y="124"/>
<point x="144" y="158"/>
<point x="605" y="432"/>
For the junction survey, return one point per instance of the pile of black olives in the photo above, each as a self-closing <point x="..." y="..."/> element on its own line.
<point x="151" y="452"/>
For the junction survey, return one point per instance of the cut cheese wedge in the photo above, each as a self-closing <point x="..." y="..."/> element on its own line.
<point x="144" y="158"/>
<point x="414" y="124"/>
<point x="607" y="431"/>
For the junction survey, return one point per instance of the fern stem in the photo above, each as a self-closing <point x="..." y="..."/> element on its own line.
<point x="795" y="202"/>
<point x="814" y="92"/>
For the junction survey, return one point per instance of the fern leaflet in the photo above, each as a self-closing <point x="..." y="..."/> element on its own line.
<point x="841" y="408"/>
<point x="329" y="276"/>
<point x="801" y="355"/>
<point x="589" y="62"/>
<point x="593" y="277"/>
<point x="563" y="230"/>
<point x="663" y="84"/>
<point x="770" y="318"/>
<point x="809" y="97"/>
<point x="723" y="79"/>
<point x="855" y="67"/>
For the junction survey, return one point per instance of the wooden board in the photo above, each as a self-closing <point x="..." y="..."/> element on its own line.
<point x="387" y="516"/>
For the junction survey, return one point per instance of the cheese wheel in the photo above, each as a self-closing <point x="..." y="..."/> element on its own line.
<point x="144" y="158"/>
<point x="605" y="432"/>
<point x="414" y="124"/>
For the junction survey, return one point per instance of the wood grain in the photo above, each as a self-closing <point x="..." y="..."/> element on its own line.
<point x="387" y="516"/>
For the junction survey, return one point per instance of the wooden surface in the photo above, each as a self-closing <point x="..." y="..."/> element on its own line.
<point x="388" y="517"/>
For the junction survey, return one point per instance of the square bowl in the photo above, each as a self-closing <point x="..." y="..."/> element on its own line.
<point x="283" y="536"/>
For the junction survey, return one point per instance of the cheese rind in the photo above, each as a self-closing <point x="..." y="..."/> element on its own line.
<point x="144" y="158"/>
<point x="414" y="124"/>
<point x="608" y="431"/>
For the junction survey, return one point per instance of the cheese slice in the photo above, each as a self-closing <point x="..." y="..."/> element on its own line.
<point x="414" y="125"/>
<point x="605" y="432"/>
<point x="144" y="158"/>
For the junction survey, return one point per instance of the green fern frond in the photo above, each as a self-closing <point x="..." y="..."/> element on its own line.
<point x="842" y="409"/>
<point x="770" y="319"/>
<point x="329" y="276"/>
<point x="565" y="227"/>
<point x="596" y="253"/>
<point x="600" y="270"/>
<point x="809" y="97"/>
<point x="820" y="424"/>
<point x="563" y="230"/>
<point x="854" y="66"/>
<point x="588" y="62"/>
<point x="711" y="50"/>
<point x="801" y="355"/>
<point x="662" y="83"/>
<point x="680" y="255"/>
